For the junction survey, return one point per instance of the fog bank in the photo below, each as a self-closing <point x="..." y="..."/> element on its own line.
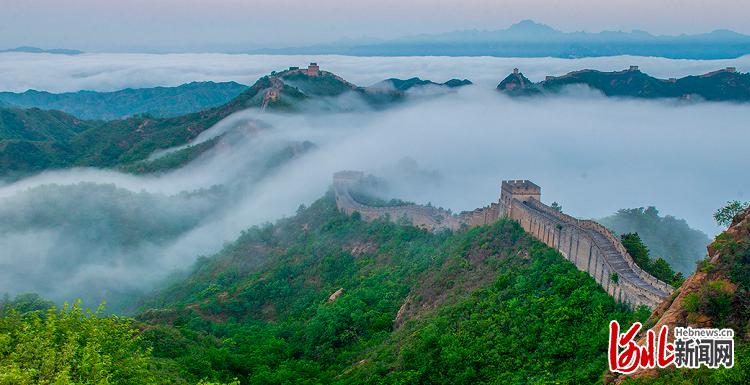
<point x="122" y="233"/>
<point x="109" y="72"/>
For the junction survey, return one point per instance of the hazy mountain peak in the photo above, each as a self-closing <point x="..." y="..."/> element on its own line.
<point x="530" y="26"/>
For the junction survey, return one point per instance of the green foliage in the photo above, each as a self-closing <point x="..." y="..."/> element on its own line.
<point x="726" y="86"/>
<point x="25" y="303"/>
<point x="738" y="375"/>
<point x="157" y="101"/>
<point x="33" y="140"/>
<point x="724" y="215"/>
<point x="556" y="206"/>
<point x="71" y="346"/>
<point x="658" y="267"/>
<point x="691" y="302"/>
<point x="540" y="322"/>
<point x="259" y="310"/>
<point x="666" y="236"/>
<point x="39" y="125"/>
<point x="171" y="161"/>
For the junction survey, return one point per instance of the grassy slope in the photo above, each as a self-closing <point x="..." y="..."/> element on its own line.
<point x="486" y="305"/>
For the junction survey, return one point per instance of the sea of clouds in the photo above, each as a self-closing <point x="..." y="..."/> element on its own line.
<point x="108" y="72"/>
<point x="592" y="154"/>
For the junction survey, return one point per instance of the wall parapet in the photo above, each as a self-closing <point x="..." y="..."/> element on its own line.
<point x="590" y="246"/>
<point x="653" y="293"/>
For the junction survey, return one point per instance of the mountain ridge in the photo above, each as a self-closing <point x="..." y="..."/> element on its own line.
<point x="155" y="101"/>
<point x="531" y="39"/>
<point x="727" y="84"/>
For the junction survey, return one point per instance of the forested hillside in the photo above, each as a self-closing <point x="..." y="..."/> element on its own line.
<point x="717" y="295"/>
<point x="156" y="101"/>
<point x="34" y="140"/>
<point x="327" y="298"/>
<point x="722" y="85"/>
<point x="666" y="237"/>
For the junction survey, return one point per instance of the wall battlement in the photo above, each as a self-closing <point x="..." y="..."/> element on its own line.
<point x="585" y="243"/>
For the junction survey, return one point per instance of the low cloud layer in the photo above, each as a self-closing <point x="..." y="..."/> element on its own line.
<point x="109" y="72"/>
<point x="592" y="154"/>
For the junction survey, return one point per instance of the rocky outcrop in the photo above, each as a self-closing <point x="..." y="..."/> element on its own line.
<point x="728" y="258"/>
<point x="517" y="84"/>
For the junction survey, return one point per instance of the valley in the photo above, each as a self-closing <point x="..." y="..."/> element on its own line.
<point x="225" y="252"/>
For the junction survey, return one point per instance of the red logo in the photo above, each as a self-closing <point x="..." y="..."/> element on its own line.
<point x="626" y="356"/>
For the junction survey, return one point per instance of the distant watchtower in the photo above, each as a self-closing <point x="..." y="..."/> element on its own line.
<point x="633" y="68"/>
<point x="516" y="71"/>
<point x="313" y="69"/>
<point x="523" y="190"/>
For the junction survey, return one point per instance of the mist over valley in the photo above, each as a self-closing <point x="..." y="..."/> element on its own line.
<point x="593" y="154"/>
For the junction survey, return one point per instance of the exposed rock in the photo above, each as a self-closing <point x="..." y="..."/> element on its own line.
<point x="333" y="297"/>
<point x="401" y="312"/>
<point x="673" y="313"/>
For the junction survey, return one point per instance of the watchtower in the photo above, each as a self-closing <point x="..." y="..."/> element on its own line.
<point x="633" y="68"/>
<point x="523" y="190"/>
<point x="515" y="71"/>
<point x="313" y="69"/>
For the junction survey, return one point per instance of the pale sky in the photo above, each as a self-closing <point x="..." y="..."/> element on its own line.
<point x="217" y="25"/>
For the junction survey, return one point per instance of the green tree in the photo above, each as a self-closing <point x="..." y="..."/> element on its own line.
<point x="724" y="215"/>
<point x="71" y="346"/>
<point x="658" y="267"/>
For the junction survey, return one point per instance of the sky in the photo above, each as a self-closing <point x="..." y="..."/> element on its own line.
<point x="231" y="25"/>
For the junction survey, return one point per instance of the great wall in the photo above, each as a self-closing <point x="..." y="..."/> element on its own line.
<point x="585" y="243"/>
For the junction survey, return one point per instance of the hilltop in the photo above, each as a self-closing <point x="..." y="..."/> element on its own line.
<point x="26" y="146"/>
<point x="415" y="83"/>
<point x="722" y="85"/>
<point x="156" y="102"/>
<point x="325" y="297"/>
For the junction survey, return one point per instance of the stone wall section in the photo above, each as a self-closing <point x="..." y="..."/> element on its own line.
<point x="586" y="244"/>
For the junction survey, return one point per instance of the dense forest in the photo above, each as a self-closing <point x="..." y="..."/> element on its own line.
<point x="327" y="298"/>
<point x="323" y="297"/>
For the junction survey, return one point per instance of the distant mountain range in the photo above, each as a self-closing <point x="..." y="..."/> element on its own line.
<point x="531" y="39"/>
<point x="722" y="85"/>
<point x="33" y="140"/>
<point x="157" y="101"/>
<point x="57" y="51"/>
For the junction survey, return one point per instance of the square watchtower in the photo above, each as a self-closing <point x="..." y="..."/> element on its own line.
<point x="523" y="190"/>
